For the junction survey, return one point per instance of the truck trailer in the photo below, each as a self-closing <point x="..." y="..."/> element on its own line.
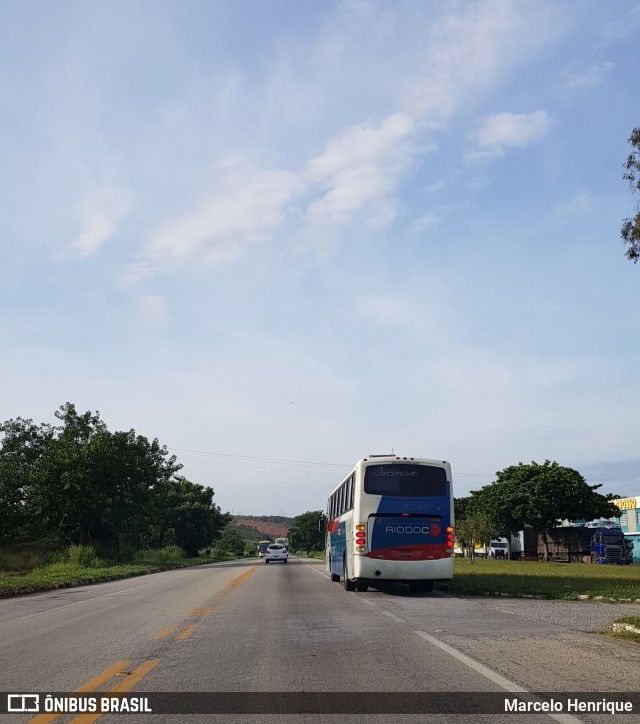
<point x="583" y="545"/>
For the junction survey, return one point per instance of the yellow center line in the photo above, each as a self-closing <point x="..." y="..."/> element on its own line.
<point x="207" y="611"/>
<point x="92" y="685"/>
<point x="186" y="632"/>
<point x="192" y="611"/>
<point x="165" y="632"/>
<point x="125" y="685"/>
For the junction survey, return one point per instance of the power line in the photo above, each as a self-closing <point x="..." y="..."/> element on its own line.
<point x="254" y="457"/>
<point x="291" y="462"/>
<point x="260" y="467"/>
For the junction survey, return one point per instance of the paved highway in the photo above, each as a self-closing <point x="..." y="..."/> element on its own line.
<point x="249" y="627"/>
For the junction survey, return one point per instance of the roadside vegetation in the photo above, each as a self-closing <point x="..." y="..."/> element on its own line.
<point x="32" y="570"/>
<point x="82" y="504"/>
<point x="626" y="628"/>
<point x="78" y="483"/>
<point x="564" y="581"/>
<point x="535" y="496"/>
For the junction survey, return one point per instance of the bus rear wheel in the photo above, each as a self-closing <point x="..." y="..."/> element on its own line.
<point x="348" y="585"/>
<point x="362" y="587"/>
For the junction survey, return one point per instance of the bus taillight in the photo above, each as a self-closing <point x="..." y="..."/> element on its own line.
<point x="361" y="538"/>
<point x="451" y="537"/>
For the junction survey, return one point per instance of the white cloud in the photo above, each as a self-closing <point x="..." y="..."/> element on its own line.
<point x="360" y="168"/>
<point x="229" y="222"/>
<point x="103" y="211"/>
<point x="576" y="205"/>
<point x="465" y="51"/>
<point x="586" y="78"/>
<point x="357" y="174"/>
<point x="424" y="222"/>
<point x="152" y="309"/>
<point x="624" y="27"/>
<point x="495" y="133"/>
<point x="139" y="272"/>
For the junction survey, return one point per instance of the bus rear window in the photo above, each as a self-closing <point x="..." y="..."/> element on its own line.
<point x="405" y="480"/>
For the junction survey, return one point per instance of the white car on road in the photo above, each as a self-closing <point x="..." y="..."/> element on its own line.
<point x="276" y="552"/>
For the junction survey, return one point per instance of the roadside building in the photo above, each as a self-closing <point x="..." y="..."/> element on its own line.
<point x="630" y="522"/>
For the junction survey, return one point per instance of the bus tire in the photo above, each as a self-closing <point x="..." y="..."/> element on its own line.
<point x="266" y="560"/>
<point x="348" y="585"/>
<point x="362" y="587"/>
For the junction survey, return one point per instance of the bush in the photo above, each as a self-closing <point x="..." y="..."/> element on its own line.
<point x="309" y="554"/>
<point x="84" y="556"/>
<point x="19" y="561"/>
<point x="160" y="556"/>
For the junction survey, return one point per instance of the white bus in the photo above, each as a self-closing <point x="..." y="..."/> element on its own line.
<point x="391" y="519"/>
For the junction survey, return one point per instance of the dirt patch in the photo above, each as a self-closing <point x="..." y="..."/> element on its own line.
<point x="273" y="530"/>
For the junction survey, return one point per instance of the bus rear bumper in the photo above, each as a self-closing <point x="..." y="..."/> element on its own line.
<point x="373" y="569"/>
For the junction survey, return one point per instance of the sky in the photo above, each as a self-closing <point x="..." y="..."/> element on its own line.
<point x="280" y="236"/>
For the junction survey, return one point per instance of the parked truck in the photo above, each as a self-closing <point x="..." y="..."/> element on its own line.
<point x="583" y="545"/>
<point x="527" y="545"/>
<point x="499" y="548"/>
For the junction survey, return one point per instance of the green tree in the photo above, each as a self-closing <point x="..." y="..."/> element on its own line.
<point x="630" y="230"/>
<point x="555" y="493"/>
<point x="230" y="543"/>
<point x="93" y="486"/>
<point x="23" y="444"/>
<point x="305" y="534"/>
<point x="475" y="528"/>
<point x="507" y="504"/>
<point x="188" y="513"/>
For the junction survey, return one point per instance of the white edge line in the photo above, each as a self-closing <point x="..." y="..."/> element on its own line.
<point x="315" y="568"/>
<point x="393" y="616"/>
<point x="496" y="678"/>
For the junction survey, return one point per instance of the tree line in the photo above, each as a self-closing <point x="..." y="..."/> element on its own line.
<point x="77" y="482"/>
<point x="528" y="496"/>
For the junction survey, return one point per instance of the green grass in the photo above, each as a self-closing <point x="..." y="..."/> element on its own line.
<point x="79" y="567"/>
<point x="64" y="575"/>
<point x="311" y="554"/>
<point x="566" y="581"/>
<point x="630" y="635"/>
<point x="633" y="620"/>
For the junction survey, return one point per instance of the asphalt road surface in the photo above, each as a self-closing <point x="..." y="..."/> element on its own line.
<point x="279" y="636"/>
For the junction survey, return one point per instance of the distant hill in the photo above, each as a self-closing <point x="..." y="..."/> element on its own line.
<point x="259" y="527"/>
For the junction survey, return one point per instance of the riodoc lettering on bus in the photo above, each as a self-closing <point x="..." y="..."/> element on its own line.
<point x="407" y="529"/>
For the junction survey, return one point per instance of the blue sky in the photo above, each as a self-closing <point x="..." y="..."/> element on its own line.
<point x="278" y="231"/>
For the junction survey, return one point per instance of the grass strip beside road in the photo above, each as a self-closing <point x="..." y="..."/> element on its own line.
<point x="626" y="628"/>
<point x="564" y="581"/>
<point x="68" y="575"/>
